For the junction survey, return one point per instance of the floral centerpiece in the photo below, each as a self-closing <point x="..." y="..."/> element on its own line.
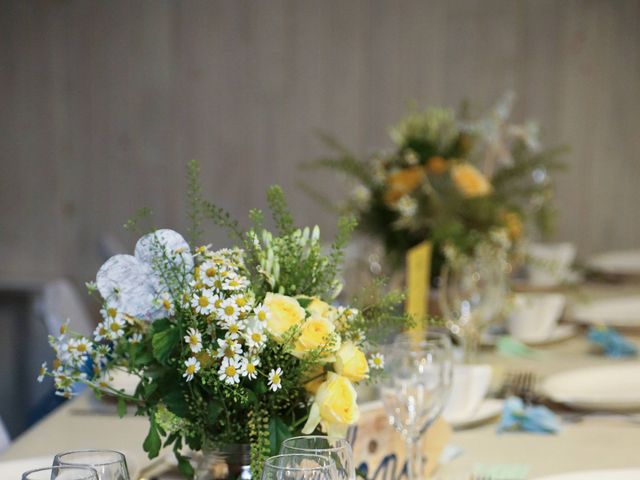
<point x="455" y="181"/>
<point x="231" y="346"/>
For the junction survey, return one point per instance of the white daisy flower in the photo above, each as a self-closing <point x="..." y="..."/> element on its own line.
<point x="136" y="338"/>
<point x="101" y="332"/>
<point x="249" y="367"/>
<point x="42" y="372"/>
<point x="82" y="346"/>
<point x="229" y="349"/>
<point x="208" y="273"/>
<point x="234" y="329"/>
<point x="115" y="328"/>
<point x="357" y="336"/>
<point x="407" y="206"/>
<point x="229" y="371"/>
<point x="275" y="379"/>
<point x="377" y="361"/>
<point x="233" y="282"/>
<point x="109" y="312"/>
<point x="242" y="303"/>
<point x="262" y="313"/>
<point x="66" y="393"/>
<point x="203" y="302"/>
<point x="167" y="304"/>
<point x="192" y="367"/>
<point x="194" y="340"/>
<point x="255" y="338"/>
<point x="228" y="310"/>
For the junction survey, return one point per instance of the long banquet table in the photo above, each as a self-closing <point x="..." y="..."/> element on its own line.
<point x="597" y="441"/>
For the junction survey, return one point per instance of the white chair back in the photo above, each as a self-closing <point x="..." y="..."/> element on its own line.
<point x="61" y="301"/>
<point x="5" y="440"/>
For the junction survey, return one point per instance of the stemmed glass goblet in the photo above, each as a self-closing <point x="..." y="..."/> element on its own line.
<point x="415" y="389"/>
<point x="61" y="473"/>
<point x="338" y="450"/>
<point x="109" y="464"/>
<point x="299" y="466"/>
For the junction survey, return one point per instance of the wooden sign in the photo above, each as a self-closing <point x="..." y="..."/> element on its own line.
<point x="378" y="448"/>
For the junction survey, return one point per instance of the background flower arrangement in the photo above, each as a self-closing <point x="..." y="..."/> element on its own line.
<point x="453" y="180"/>
<point x="216" y="336"/>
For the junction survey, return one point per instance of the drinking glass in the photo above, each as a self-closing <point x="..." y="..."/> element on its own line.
<point x="338" y="450"/>
<point x="472" y="292"/>
<point x="109" y="464"/>
<point x="61" y="473"/>
<point x="299" y="466"/>
<point x="415" y="389"/>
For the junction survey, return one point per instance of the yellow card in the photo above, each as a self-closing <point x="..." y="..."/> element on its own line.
<point x="418" y="274"/>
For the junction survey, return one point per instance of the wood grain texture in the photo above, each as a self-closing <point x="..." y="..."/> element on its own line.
<point x="103" y="103"/>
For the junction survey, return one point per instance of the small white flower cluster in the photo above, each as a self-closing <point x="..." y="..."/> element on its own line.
<point x="221" y="294"/>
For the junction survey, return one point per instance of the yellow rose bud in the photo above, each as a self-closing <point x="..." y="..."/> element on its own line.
<point x="351" y="362"/>
<point x="469" y="181"/>
<point x="285" y="312"/>
<point x="315" y="333"/>
<point x="314" y="379"/>
<point x="318" y="308"/>
<point x="334" y="408"/>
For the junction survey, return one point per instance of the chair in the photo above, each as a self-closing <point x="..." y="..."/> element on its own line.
<point x="5" y="440"/>
<point x="61" y="301"/>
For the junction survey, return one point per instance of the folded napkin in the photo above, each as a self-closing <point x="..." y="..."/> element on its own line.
<point x="611" y="342"/>
<point x="510" y="347"/>
<point x="516" y="416"/>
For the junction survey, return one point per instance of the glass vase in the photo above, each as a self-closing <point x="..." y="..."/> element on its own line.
<point x="224" y="462"/>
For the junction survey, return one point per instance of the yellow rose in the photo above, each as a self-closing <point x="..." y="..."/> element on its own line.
<point x="437" y="165"/>
<point x="317" y="332"/>
<point x="351" y="362"/>
<point x="469" y="181"/>
<point x="314" y="378"/>
<point x="403" y="182"/>
<point x="334" y="407"/>
<point x="285" y="312"/>
<point x="319" y="308"/>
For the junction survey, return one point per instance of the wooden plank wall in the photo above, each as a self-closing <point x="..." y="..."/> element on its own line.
<point x="102" y="104"/>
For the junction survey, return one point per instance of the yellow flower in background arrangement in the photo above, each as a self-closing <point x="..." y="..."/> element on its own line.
<point x="469" y="181"/>
<point x="317" y="332"/>
<point x="513" y="223"/>
<point x="437" y="165"/>
<point x="403" y="182"/>
<point x="284" y="313"/>
<point x="351" y="362"/>
<point x="334" y="408"/>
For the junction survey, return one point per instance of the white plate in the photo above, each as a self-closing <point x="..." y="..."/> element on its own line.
<point x="611" y="387"/>
<point x="618" y="474"/>
<point x="488" y="409"/>
<point x="621" y="262"/>
<point x="13" y="469"/>
<point x="560" y="333"/>
<point x="615" y="312"/>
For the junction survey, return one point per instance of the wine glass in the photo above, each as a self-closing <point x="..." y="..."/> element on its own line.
<point x="338" y="450"/>
<point x="472" y="292"/>
<point x="109" y="464"/>
<point x="61" y="473"/>
<point x="415" y="389"/>
<point x="299" y="466"/>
